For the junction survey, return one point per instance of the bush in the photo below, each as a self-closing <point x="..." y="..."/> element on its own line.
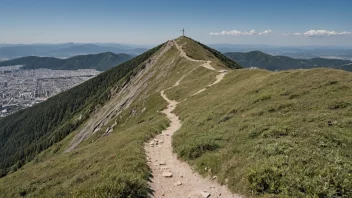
<point x="198" y="148"/>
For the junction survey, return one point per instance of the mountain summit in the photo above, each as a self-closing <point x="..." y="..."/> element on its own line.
<point x="124" y="132"/>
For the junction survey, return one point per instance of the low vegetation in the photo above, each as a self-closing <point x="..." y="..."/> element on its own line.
<point x="199" y="51"/>
<point x="262" y="133"/>
<point x="26" y="133"/>
<point x="258" y="139"/>
<point x="103" y="166"/>
<point x="109" y="167"/>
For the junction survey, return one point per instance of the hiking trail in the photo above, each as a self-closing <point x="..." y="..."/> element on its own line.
<point x="172" y="177"/>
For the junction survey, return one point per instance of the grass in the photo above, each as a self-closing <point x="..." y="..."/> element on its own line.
<point x="257" y="138"/>
<point x="109" y="167"/>
<point x="263" y="134"/>
<point x="112" y="166"/>
<point x="193" y="50"/>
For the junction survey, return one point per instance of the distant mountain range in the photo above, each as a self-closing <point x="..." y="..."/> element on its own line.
<point x="306" y="52"/>
<point x="11" y="51"/>
<point x="101" y="62"/>
<point x="269" y="62"/>
<point x="66" y="50"/>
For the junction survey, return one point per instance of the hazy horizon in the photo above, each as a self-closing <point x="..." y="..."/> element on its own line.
<point x="151" y="45"/>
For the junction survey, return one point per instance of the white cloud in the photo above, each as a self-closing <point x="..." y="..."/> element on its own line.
<point x="319" y="33"/>
<point x="240" y="33"/>
<point x="265" y="32"/>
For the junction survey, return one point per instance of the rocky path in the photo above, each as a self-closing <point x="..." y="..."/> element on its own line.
<point x="172" y="177"/>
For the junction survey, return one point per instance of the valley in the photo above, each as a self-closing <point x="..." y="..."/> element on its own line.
<point x="27" y="81"/>
<point x="20" y="89"/>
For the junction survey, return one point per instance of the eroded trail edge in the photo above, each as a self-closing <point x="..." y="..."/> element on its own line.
<point x="172" y="177"/>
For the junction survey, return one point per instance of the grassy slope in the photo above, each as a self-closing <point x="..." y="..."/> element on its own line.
<point x="264" y="132"/>
<point x="108" y="167"/>
<point x="268" y="133"/>
<point x="113" y="166"/>
<point x="199" y="51"/>
<point x="26" y="133"/>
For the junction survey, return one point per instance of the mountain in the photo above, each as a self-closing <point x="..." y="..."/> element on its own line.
<point x="180" y="109"/>
<point x="92" y="49"/>
<point x="100" y="62"/>
<point x="300" y="52"/>
<point x="265" y="61"/>
<point x="64" y="50"/>
<point x="24" y="50"/>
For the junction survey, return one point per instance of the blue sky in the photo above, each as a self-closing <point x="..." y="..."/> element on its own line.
<point x="275" y="22"/>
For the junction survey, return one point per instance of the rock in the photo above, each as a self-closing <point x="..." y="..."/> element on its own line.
<point x="178" y="183"/>
<point x="161" y="141"/>
<point x="164" y="168"/>
<point x="162" y="163"/>
<point x="205" y="194"/>
<point x="226" y="180"/>
<point x="215" y="177"/>
<point x="167" y="174"/>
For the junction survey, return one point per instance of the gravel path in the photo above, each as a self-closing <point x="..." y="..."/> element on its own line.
<point x="172" y="177"/>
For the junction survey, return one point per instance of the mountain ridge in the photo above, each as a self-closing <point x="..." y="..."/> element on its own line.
<point x="256" y="132"/>
<point x="64" y="50"/>
<point x="265" y="61"/>
<point x="101" y="62"/>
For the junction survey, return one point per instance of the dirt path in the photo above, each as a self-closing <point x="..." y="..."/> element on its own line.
<point x="172" y="177"/>
<point x="183" y="54"/>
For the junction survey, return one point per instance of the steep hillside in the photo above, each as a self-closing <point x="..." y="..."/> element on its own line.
<point x="269" y="62"/>
<point x="260" y="133"/>
<point x="109" y="135"/>
<point x="26" y="133"/>
<point x="101" y="62"/>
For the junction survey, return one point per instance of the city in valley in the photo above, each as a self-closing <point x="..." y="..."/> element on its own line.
<point x="20" y="89"/>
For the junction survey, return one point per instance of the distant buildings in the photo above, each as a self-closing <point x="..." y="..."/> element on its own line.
<point x="20" y="89"/>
